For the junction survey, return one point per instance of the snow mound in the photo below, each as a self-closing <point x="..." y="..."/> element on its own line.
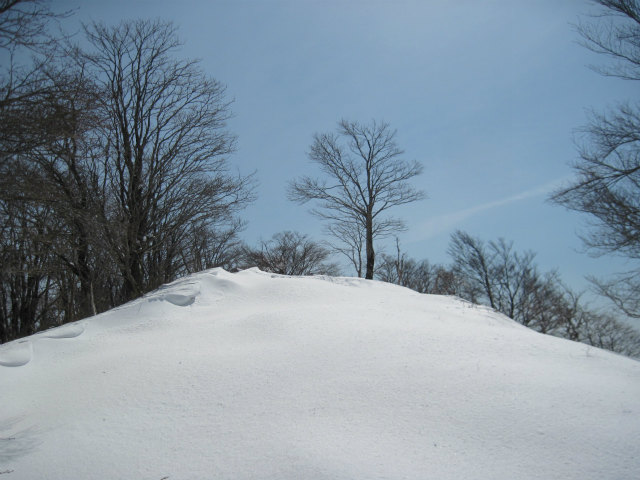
<point x="259" y="376"/>
<point x="71" y="330"/>
<point x="16" y="354"/>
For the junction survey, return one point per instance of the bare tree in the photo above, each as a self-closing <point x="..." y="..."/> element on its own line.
<point x="26" y="257"/>
<point x="24" y="23"/>
<point x="73" y="184"/>
<point x="507" y="281"/>
<point x="396" y="268"/>
<point x="495" y="272"/>
<point x="32" y="117"/>
<point x="421" y="276"/>
<point x="27" y="46"/>
<point x="615" y="35"/>
<point x="208" y="247"/>
<point x="607" y="186"/>
<point x="604" y="331"/>
<point x="516" y="277"/>
<point x="363" y="178"/>
<point x="113" y="177"/>
<point x="291" y="253"/>
<point x="349" y="240"/>
<point x="165" y="149"/>
<point x="472" y="261"/>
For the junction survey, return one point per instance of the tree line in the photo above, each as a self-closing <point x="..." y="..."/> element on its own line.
<point x="114" y="176"/>
<point x="496" y="275"/>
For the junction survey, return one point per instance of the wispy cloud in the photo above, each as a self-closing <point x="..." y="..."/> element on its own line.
<point x="447" y="222"/>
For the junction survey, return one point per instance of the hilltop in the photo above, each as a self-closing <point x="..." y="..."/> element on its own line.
<point x="261" y="376"/>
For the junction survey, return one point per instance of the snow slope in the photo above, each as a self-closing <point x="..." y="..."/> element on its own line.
<point x="258" y="376"/>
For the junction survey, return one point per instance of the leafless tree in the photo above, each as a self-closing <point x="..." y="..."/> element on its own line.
<point x="538" y="301"/>
<point x="27" y="48"/>
<point x="605" y="331"/>
<point x="113" y="177"/>
<point x="396" y="268"/>
<point x="73" y="184"/>
<point x="614" y="34"/>
<point x="496" y="272"/>
<point x="291" y="253"/>
<point x="165" y="149"/>
<point x="26" y="258"/>
<point x="421" y="276"/>
<point x="208" y="247"/>
<point x="472" y="261"/>
<point x="27" y="45"/>
<point x="24" y="23"/>
<point x="516" y="277"/>
<point x="364" y="176"/>
<point x="506" y="280"/>
<point x="31" y="118"/>
<point x="607" y="186"/>
<point x="349" y="240"/>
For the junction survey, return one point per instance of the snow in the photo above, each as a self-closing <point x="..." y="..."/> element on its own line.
<point x="259" y="376"/>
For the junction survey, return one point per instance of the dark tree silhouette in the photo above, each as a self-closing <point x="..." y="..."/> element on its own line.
<point x="113" y="172"/>
<point x="165" y="147"/>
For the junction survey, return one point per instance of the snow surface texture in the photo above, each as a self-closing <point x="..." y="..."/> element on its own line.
<point x="259" y="376"/>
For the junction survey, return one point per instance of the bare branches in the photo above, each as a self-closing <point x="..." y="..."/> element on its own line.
<point x="349" y="234"/>
<point x="24" y="35"/>
<point x="494" y="274"/>
<point x="607" y="185"/>
<point x="608" y="182"/>
<point x="507" y="281"/>
<point x="113" y="176"/>
<point x="623" y="290"/>
<point x="290" y="253"/>
<point x="363" y="177"/>
<point x="423" y="277"/>
<point x="23" y="23"/>
<point x="165" y="147"/>
<point x="617" y="36"/>
<point x="472" y="261"/>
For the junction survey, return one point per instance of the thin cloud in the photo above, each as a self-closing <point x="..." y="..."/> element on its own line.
<point x="447" y="222"/>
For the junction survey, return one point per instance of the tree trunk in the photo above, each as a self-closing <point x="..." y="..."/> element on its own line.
<point x="369" y="247"/>
<point x="84" y="272"/>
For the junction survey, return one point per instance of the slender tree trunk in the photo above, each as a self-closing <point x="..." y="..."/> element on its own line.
<point x="369" y="247"/>
<point x="93" y="301"/>
<point x="84" y="274"/>
<point x="4" y="314"/>
<point x="487" y="286"/>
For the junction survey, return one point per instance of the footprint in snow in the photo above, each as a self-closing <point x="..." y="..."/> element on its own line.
<point x="16" y="354"/>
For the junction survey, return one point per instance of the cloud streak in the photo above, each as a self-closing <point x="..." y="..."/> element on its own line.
<point x="446" y="222"/>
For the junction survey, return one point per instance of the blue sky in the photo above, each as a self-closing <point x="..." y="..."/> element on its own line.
<point x="486" y="94"/>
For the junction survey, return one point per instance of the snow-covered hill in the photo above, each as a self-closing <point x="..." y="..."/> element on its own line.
<point x="258" y="376"/>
